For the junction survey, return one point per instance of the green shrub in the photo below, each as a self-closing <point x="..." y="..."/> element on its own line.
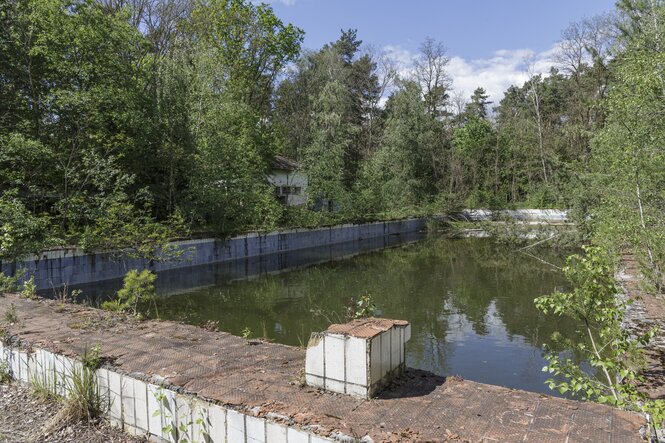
<point x="29" y="289"/>
<point x="137" y="293"/>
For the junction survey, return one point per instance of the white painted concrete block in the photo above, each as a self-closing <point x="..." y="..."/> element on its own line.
<point x="200" y="421"/>
<point x="155" y="410"/>
<point x="297" y="436"/>
<point x="217" y="429"/>
<point x="335" y="385"/>
<point x="314" y="358"/>
<point x="275" y="433"/>
<point x="169" y="412"/>
<point x="356" y="390"/>
<point x="334" y="357"/>
<point x="358" y="357"/>
<point x="103" y="386"/>
<point x="407" y="332"/>
<point x="235" y="424"/>
<point x="185" y="417"/>
<point x="115" y="395"/>
<point x="313" y="380"/>
<point x="385" y="354"/>
<point x="23" y="367"/>
<point x="318" y="439"/>
<point x="395" y="346"/>
<point x="128" y="413"/>
<point x="356" y="360"/>
<point x="256" y="429"/>
<point x="141" y="404"/>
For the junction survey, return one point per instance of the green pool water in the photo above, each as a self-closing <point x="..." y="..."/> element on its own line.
<point x="470" y="303"/>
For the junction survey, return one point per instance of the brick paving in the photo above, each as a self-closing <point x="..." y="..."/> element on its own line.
<point x="268" y="377"/>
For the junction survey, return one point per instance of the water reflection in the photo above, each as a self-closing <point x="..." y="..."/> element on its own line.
<point x="470" y="302"/>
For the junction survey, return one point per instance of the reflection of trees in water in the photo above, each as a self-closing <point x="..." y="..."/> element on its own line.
<point x="429" y="284"/>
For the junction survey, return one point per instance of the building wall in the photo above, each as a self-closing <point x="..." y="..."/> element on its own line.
<point x="293" y="179"/>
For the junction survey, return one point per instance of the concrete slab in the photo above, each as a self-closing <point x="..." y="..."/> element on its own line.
<point x="264" y="378"/>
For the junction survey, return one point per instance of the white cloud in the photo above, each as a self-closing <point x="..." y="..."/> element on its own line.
<point x="504" y="68"/>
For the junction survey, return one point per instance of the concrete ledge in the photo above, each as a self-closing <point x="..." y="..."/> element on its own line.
<point x="239" y="381"/>
<point x="145" y="409"/>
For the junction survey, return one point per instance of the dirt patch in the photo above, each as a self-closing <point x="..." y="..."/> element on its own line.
<point x="646" y="311"/>
<point x="23" y="417"/>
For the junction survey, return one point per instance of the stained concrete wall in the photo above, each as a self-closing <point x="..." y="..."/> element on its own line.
<point x="543" y="215"/>
<point x="75" y="267"/>
<point x="144" y="408"/>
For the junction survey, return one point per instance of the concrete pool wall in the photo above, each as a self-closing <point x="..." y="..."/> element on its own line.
<point x="73" y="266"/>
<point x="145" y="409"/>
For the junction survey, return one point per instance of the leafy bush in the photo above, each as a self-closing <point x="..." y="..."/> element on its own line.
<point x="361" y="307"/>
<point x="137" y="292"/>
<point x="29" y="289"/>
<point x="21" y="232"/>
<point x="127" y="231"/>
<point x="613" y="356"/>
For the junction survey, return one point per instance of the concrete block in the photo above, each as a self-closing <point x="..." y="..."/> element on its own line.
<point x="217" y="429"/>
<point x="357" y="390"/>
<point x="313" y="380"/>
<point x="358" y="357"/>
<point x="314" y="358"/>
<point x="200" y="421"/>
<point x="318" y="439"/>
<point x="169" y="410"/>
<point x="184" y="417"/>
<point x="275" y="433"/>
<point x="155" y="410"/>
<point x="128" y="408"/>
<point x="115" y="395"/>
<point x="235" y="426"/>
<point x="141" y="405"/>
<point x="335" y="385"/>
<point x="297" y="436"/>
<point x="385" y="353"/>
<point x="256" y="429"/>
<point x="103" y="386"/>
<point x="356" y="360"/>
<point x="334" y="357"/>
<point x="24" y="367"/>
<point x="375" y="358"/>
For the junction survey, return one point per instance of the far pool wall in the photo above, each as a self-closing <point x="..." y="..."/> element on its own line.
<point x="74" y="267"/>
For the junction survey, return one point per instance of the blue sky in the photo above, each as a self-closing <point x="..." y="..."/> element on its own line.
<point x="487" y="40"/>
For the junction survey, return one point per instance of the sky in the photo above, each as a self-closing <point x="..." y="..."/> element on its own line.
<point x="487" y="40"/>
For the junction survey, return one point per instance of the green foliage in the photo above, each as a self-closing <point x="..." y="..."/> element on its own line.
<point x="7" y="283"/>
<point x="84" y="401"/>
<point x="11" y="316"/>
<point x="361" y="307"/>
<point x="29" y="289"/>
<point x="130" y="232"/>
<point x="613" y="356"/>
<point x="247" y="333"/>
<point x="21" y="232"/>
<point x="136" y="294"/>
<point x="6" y="375"/>
<point x="91" y="357"/>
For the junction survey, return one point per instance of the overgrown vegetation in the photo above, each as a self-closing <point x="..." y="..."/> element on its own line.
<point x="137" y="295"/>
<point x="6" y="375"/>
<point x="360" y="307"/>
<point x="612" y="359"/>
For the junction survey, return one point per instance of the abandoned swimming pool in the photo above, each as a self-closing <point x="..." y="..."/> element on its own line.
<point x="470" y="302"/>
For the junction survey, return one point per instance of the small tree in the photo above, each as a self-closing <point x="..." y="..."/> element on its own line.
<point x="612" y="356"/>
<point x="138" y="291"/>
